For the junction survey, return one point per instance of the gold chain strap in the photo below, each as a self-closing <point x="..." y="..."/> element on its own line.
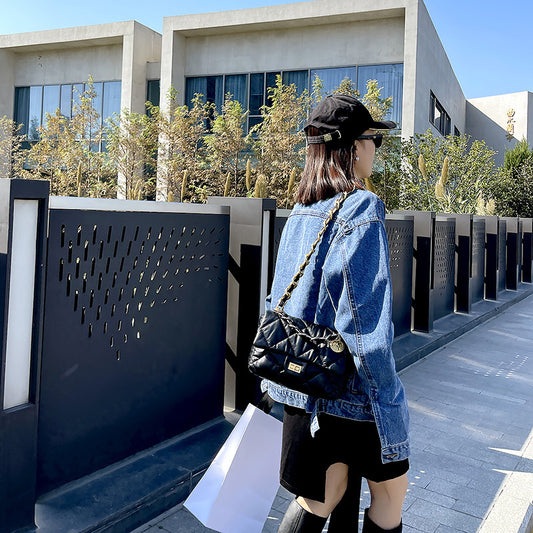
<point x="299" y="274"/>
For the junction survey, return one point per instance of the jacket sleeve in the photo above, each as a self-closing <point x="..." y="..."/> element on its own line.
<point x="364" y="310"/>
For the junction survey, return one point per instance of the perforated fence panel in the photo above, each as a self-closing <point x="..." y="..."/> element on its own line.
<point x="502" y="254"/>
<point x="400" y="237"/>
<point x="478" y="260"/>
<point x="444" y="269"/>
<point x="133" y="351"/>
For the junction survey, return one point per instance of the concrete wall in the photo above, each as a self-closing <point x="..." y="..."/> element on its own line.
<point x="7" y="83"/>
<point x="341" y="44"/>
<point x="487" y="118"/>
<point x="141" y="45"/>
<point x="317" y="34"/>
<point x="434" y="73"/>
<point x="107" y="52"/>
<point x="50" y="67"/>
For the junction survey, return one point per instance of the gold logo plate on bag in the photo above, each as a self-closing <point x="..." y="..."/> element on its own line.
<point x="293" y="367"/>
<point x="337" y="345"/>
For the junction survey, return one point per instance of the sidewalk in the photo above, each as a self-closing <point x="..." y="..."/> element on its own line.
<point x="471" y="406"/>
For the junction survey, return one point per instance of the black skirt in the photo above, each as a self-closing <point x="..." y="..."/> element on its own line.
<point x="305" y="459"/>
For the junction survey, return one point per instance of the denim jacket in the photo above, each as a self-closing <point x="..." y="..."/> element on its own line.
<point x="347" y="286"/>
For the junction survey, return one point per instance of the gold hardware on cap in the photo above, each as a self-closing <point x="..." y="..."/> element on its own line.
<point x="328" y="137"/>
<point x="293" y="367"/>
<point x="337" y="345"/>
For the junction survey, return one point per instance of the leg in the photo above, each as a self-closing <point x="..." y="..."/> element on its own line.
<point x="387" y="498"/>
<point x="309" y="516"/>
<point x="336" y="482"/>
<point x="345" y="516"/>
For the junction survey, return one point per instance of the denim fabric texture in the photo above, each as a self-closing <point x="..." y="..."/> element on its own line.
<point x="347" y="286"/>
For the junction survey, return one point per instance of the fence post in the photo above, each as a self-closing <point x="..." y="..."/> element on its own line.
<point x="463" y="261"/>
<point x="527" y="237"/>
<point x="400" y="238"/>
<point x="423" y="237"/>
<point x="513" y="253"/>
<point x="250" y="272"/>
<point x="23" y="231"/>
<point x="491" y="257"/>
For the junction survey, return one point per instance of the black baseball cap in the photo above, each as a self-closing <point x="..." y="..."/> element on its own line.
<point x="341" y="119"/>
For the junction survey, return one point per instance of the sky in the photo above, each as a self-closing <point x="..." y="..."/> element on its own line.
<point x="489" y="43"/>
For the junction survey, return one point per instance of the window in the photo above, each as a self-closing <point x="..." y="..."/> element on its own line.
<point x="438" y="116"/>
<point x="153" y="92"/>
<point x="251" y="90"/>
<point x="332" y="77"/>
<point x="32" y="103"/>
<point x="456" y="132"/>
<point x="390" y="78"/>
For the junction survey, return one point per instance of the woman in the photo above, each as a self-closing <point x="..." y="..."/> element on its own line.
<point x="346" y="286"/>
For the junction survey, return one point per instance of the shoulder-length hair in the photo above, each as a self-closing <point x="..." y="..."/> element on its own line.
<point x="328" y="170"/>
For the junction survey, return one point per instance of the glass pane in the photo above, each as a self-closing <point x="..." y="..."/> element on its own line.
<point x="252" y="121"/>
<point x="270" y="82"/>
<point x="257" y="87"/>
<point x="195" y="86"/>
<point x="22" y="108"/>
<point x="332" y="77"/>
<point x="111" y="99"/>
<point x="153" y="91"/>
<point x="214" y="91"/>
<point x="66" y="101"/>
<point x="390" y="77"/>
<point x="77" y="91"/>
<point x="237" y="85"/>
<point x="97" y="101"/>
<point x="50" y="100"/>
<point x="36" y="98"/>
<point x="447" y="124"/>
<point x="438" y="117"/>
<point x="300" y="78"/>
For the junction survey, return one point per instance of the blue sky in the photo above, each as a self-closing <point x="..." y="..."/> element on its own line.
<point x="489" y="43"/>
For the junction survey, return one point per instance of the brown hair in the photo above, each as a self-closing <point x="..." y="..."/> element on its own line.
<point x="328" y="170"/>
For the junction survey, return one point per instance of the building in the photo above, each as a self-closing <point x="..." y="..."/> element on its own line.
<point x="43" y="71"/>
<point x="393" y="41"/>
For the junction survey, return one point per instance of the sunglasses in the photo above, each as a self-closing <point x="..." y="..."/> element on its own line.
<point x="377" y="138"/>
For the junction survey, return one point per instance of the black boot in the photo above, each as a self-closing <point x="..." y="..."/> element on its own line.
<point x="298" y="520"/>
<point x="370" y="527"/>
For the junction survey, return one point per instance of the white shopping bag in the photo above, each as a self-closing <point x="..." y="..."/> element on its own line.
<point x="238" y="489"/>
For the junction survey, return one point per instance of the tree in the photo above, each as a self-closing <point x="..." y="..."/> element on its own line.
<point x="513" y="190"/>
<point x="226" y="144"/>
<point x="68" y="149"/>
<point x="131" y="143"/>
<point x="514" y="157"/>
<point x="11" y="156"/>
<point x="278" y="141"/>
<point x="181" y="145"/>
<point x="467" y="183"/>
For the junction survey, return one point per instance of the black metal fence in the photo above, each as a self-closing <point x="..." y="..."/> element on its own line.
<point x="139" y="317"/>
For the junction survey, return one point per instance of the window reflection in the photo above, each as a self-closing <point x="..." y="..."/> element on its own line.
<point x="33" y="103"/>
<point x="390" y="79"/>
<point x="332" y="77"/>
<point x="35" y="112"/>
<point x="66" y="100"/>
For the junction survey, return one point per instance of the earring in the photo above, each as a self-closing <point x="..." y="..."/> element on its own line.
<point x="357" y="158"/>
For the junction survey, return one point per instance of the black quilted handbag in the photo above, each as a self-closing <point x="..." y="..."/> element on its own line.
<point x="301" y="355"/>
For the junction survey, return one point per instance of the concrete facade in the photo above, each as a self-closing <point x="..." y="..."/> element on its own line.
<point x="501" y="120"/>
<point x="319" y="34"/>
<point x="111" y="52"/>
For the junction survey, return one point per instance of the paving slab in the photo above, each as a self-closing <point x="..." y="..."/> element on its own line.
<point x="471" y="405"/>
